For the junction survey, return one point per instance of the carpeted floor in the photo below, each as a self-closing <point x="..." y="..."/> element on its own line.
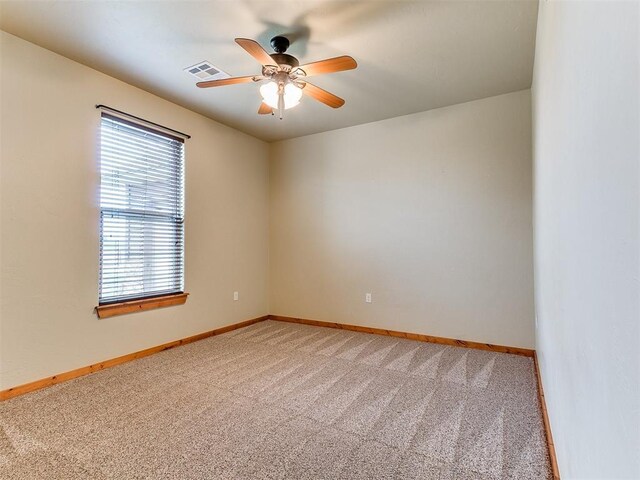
<point x="278" y="400"/>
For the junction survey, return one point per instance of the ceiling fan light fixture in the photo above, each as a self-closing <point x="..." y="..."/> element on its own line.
<point x="292" y="95"/>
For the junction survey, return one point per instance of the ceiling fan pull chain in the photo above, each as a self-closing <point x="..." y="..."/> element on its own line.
<point x="280" y="99"/>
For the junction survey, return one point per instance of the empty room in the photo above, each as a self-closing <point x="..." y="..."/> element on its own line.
<point x="320" y="239"/>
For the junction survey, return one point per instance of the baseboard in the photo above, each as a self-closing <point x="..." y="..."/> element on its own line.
<point x="411" y="336"/>
<point x="79" y="372"/>
<point x="545" y="419"/>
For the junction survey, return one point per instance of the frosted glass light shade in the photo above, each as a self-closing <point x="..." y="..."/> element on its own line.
<point x="269" y="92"/>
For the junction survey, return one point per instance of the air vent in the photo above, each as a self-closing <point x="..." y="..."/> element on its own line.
<point x="206" y="71"/>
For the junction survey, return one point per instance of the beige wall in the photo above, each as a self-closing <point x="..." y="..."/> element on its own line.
<point x="586" y="117"/>
<point x="49" y="182"/>
<point x="431" y="213"/>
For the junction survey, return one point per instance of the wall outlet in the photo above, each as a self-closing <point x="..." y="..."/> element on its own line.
<point x="367" y="297"/>
<point x="236" y="296"/>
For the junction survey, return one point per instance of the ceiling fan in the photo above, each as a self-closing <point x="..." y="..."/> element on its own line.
<point x="287" y="79"/>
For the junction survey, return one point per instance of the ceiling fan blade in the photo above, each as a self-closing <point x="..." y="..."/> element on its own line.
<point x="264" y="109"/>
<point x="226" y="81"/>
<point x="323" y="96"/>
<point x="254" y="49"/>
<point x="330" y="65"/>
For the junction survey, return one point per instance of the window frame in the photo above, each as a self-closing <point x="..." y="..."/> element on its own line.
<point x="117" y="306"/>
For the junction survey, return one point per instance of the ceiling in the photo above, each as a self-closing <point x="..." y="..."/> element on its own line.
<point x="412" y="55"/>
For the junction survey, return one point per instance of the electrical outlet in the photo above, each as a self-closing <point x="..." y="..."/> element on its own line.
<point x="236" y="296"/>
<point x="367" y="297"/>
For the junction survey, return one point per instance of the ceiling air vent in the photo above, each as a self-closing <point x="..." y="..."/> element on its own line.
<point x="206" y="71"/>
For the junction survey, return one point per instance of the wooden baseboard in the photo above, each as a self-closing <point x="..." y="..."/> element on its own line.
<point x="545" y="419"/>
<point x="79" y="372"/>
<point x="411" y="336"/>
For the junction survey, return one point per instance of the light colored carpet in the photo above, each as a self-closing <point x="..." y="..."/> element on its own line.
<point x="278" y="400"/>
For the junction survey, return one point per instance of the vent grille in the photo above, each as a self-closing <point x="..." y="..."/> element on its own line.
<point x="206" y="71"/>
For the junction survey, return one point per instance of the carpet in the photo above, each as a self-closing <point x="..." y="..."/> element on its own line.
<point x="285" y="401"/>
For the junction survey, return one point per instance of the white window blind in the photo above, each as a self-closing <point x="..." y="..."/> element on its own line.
<point x="141" y="212"/>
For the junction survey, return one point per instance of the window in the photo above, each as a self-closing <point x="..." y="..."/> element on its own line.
<point x="141" y="212"/>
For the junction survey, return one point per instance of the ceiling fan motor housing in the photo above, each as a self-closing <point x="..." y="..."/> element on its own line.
<point x="285" y="59"/>
<point x="280" y="45"/>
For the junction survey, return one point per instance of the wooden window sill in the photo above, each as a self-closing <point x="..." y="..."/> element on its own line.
<point x="121" y="308"/>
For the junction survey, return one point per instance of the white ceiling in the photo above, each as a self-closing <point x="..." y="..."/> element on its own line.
<point x="412" y="55"/>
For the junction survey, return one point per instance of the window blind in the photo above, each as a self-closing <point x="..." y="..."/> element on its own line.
<point x="141" y="212"/>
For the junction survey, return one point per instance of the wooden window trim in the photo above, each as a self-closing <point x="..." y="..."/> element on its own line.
<point x="120" y="308"/>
